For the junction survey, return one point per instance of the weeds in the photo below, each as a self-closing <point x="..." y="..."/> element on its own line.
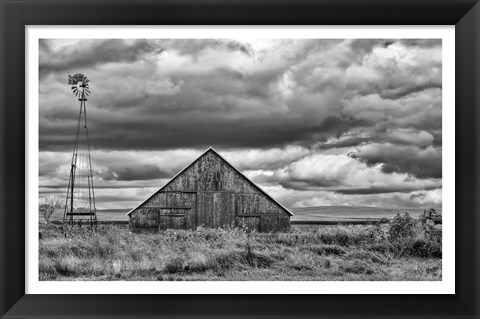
<point x="398" y="249"/>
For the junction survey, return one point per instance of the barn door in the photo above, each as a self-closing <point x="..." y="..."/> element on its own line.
<point x="175" y="209"/>
<point x="173" y="219"/>
<point x="215" y="209"/>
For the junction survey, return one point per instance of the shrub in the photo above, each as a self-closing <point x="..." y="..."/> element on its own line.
<point x="431" y="215"/>
<point x="174" y="265"/>
<point x="401" y="227"/>
<point x="425" y="248"/>
<point x="196" y="262"/>
<point x="341" y="239"/>
<point x="225" y="261"/>
<point x="378" y="233"/>
<point x="67" y="266"/>
<point x="417" y="247"/>
<point x="418" y="239"/>
<point x="50" y="206"/>
<point x="239" y="259"/>
<point x="327" y="238"/>
<point x="433" y="233"/>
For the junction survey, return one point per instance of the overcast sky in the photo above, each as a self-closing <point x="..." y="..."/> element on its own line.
<point x="313" y="122"/>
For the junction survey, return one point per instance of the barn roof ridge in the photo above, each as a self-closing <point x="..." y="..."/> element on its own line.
<point x="210" y="148"/>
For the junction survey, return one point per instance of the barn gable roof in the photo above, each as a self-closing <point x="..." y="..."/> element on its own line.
<point x="210" y="149"/>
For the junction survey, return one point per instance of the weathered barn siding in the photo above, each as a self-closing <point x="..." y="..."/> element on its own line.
<point x="173" y="209"/>
<point x="210" y="193"/>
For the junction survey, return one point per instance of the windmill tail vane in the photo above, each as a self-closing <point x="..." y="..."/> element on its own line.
<point x="80" y="199"/>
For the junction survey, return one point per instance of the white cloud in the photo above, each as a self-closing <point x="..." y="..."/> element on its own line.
<point x="342" y="173"/>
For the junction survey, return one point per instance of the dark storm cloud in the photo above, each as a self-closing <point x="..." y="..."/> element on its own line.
<point x="367" y="45"/>
<point x="426" y="43"/>
<point x="364" y="46"/>
<point x="336" y="187"/>
<point x="422" y="163"/>
<point x="63" y="187"/>
<point x="144" y="172"/>
<point x="379" y="190"/>
<point x="396" y="93"/>
<point x="193" y="131"/>
<point x="258" y="105"/>
<point x="194" y="47"/>
<point x="380" y="134"/>
<point x="91" y="53"/>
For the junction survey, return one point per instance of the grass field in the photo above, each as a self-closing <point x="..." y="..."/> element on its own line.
<point x="320" y="214"/>
<point x="312" y="215"/>
<point x="354" y="252"/>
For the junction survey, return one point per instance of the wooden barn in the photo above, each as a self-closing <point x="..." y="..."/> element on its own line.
<point x="210" y="193"/>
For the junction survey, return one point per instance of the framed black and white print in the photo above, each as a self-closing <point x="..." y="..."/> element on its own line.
<point x="206" y="156"/>
<point x="248" y="155"/>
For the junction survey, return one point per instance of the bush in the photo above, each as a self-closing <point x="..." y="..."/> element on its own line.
<point x="174" y="265"/>
<point x="226" y="260"/>
<point x="417" y="247"/>
<point x="49" y="208"/>
<point x="339" y="238"/>
<point x="425" y="248"/>
<point x="378" y="233"/>
<point x="342" y="239"/>
<point x="433" y="233"/>
<point x="409" y="237"/>
<point x="401" y="227"/>
<point x="196" y="262"/>
<point x="431" y="216"/>
<point x="239" y="259"/>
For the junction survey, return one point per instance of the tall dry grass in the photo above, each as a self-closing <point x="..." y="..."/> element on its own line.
<point x="384" y="251"/>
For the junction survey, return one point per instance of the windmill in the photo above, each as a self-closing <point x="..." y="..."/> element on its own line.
<point x="80" y="201"/>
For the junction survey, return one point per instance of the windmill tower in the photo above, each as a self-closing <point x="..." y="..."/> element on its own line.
<point x="80" y="202"/>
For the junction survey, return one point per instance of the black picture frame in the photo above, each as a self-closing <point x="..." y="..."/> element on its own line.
<point x="15" y="15"/>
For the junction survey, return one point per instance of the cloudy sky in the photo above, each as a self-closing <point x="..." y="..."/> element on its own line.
<point x="313" y="122"/>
